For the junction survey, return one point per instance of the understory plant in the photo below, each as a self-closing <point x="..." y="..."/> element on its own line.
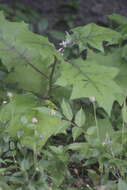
<point x="63" y="113"/>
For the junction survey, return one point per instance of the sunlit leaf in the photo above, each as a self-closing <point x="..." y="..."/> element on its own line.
<point x="93" y="35"/>
<point x="91" y="80"/>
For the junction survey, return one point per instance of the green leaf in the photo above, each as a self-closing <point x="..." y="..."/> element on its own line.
<point x="92" y="135"/>
<point x="105" y="130"/>
<point x="55" y="164"/>
<point x="25" y="165"/>
<point x="66" y="108"/>
<point x="113" y="59"/>
<point x="101" y="133"/>
<point x="94" y="36"/>
<point x="60" y="152"/>
<point x="84" y="149"/>
<point x="5" y="185"/>
<point x="93" y="175"/>
<point x="2" y="170"/>
<point x="117" y="18"/>
<point x="124" y="113"/>
<point x="90" y="79"/>
<point x="27" y="56"/>
<point x="40" y="122"/>
<point x="80" y="118"/>
<point x="122" y="185"/>
<point x="76" y="132"/>
<point x="121" y="78"/>
<point x="78" y="146"/>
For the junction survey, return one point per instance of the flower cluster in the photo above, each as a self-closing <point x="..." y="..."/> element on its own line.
<point x="64" y="44"/>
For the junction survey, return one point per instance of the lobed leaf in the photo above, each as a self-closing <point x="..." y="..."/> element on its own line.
<point x="94" y="36"/>
<point x="27" y="56"/>
<point x="90" y="79"/>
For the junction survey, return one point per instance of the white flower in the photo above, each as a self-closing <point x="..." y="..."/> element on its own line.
<point x="65" y="43"/>
<point x="9" y="94"/>
<point x="92" y="99"/>
<point x="107" y="141"/>
<point x="68" y="41"/>
<point x="52" y="112"/>
<point x="104" y="143"/>
<point x="34" y="120"/>
<point x="4" y="102"/>
<point x="37" y="169"/>
<point x="60" y="49"/>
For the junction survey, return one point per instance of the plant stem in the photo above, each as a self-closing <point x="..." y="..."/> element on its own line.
<point x="95" y="116"/>
<point x="123" y="124"/>
<point x="51" y="76"/>
<point x="74" y="124"/>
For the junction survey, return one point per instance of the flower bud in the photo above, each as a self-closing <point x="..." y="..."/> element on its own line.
<point x="34" y="120"/>
<point x="92" y="99"/>
<point x="9" y="94"/>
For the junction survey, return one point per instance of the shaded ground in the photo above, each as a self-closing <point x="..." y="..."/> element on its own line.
<point x="85" y="10"/>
